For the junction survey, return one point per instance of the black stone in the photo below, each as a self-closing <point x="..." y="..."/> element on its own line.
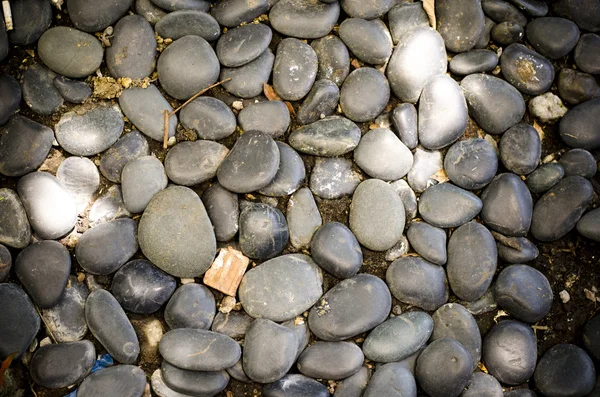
<point x="5" y="263"/>
<point x="243" y="44"/>
<point x="248" y="81"/>
<point x="336" y="250"/>
<point x="391" y="379"/>
<point x="269" y="117"/>
<point x="588" y="225"/>
<point x="295" y="385"/>
<point x="460" y="23"/>
<point x="544" y="177"/>
<point x="290" y="175"/>
<point x="20" y="321"/>
<point x="528" y="71"/>
<point x="120" y="380"/>
<point x="31" y="18"/>
<point x="194" y="382"/>
<point x="565" y="370"/>
<point x="334" y="59"/>
<point x="382" y="155"/>
<point x="24" y="145"/>
<point x="132" y="31"/>
<point x="482" y="384"/>
<point x="10" y="97"/>
<point x="321" y="101"/>
<point x="366" y="10"/>
<point x="471" y="163"/>
<point x="473" y="61"/>
<point x="527" y="251"/>
<point x="209" y="117"/>
<point x="305" y="19"/>
<point x="433" y="205"/>
<point x="129" y="147"/>
<point x="502" y="11"/>
<point x="295" y="69"/>
<point x="61" y="365"/>
<point x="507" y="33"/>
<point x="175" y="5"/>
<point x="191" y="306"/>
<point x="579" y="162"/>
<point x="72" y="90"/>
<point x="404" y="119"/>
<point x="364" y="94"/>
<point x="66" y="320"/>
<point x="39" y="92"/>
<point x="331" y="136"/>
<point x="231" y="13"/>
<point x="92" y="17"/>
<point x="330" y="360"/>
<point x="454" y="321"/>
<point x="586" y="53"/>
<point x="263" y="231"/>
<point x="579" y="127"/>
<point x="370" y="41"/>
<point x="223" y="210"/>
<point x="552" y="37"/>
<point x="575" y="87"/>
<point x="585" y="13"/>
<point x="406" y="17"/>
<point x="181" y="23"/>
<point x="507" y="205"/>
<point x="428" y="241"/>
<point x="520" y="149"/>
<point x="233" y="324"/>
<point x="191" y="163"/>
<point x="354" y="385"/>
<point x="534" y="8"/>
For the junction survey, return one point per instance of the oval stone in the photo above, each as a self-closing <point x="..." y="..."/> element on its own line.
<point x="295" y="69"/>
<point x="334" y="59"/>
<point x="404" y="119"/>
<point x="575" y="87"/>
<point x="406" y="17"/>
<point x="507" y="33"/>
<point x="544" y="177"/>
<point x="368" y="10"/>
<point x="295" y="385"/>
<point x="454" y="321"/>
<point x="507" y="205"/>
<point x="120" y="380"/>
<point x="81" y="177"/>
<point x="39" y="92"/>
<point x="370" y="41"/>
<point x="474" y="61"/>
<point x="586" y="53"/>
<point x="520" y="149"/>
<point x="243" y="44"/>
<point x="141" y="179"/>
<point x="390" y="379"/>
<point x="336" y="250"/>
<point x="233" y="324"/>
<point x="579" y="162"/>
<point x="460" y="23"/>
<point x="332" y="178"/>
<point x="194" y="382"/>
<point x="63" y="364"/>
<point x="364" y="94"/>
<point x="145" y="108"/>
<point x="471" y="163"/>
<point x="132" y="32"/>
<point x="331" y="136"/>
<point x="354" y="385"/>
<point x="91" y="17"/>
<point x="579" y="128"/>
<point x="433" y="205"/>
<point x="528" y="71"/>
<point x="31" y="18"/>
<point x="177" y="24"/>
<point x="552" y="37"/>
<point x="20" y="321"/>
<point x="175" y="5"/>
<point x="565" y="370"/>
<point x="331" y="360"/>
<point x="270" y="117"/>
<point x="248" y="81"/>
<point x="231" y="13"/>
<point x="525" y="251"/>
<point x="191" y="306"/>
<point x="303" y="218"/>
<point x="382" y="155"/>
<point x="304" y="19"/>
<point x="321" y="101"/>
<point x="482" y="384"/>
<point x="290" y="175"/>
<point x="502" y="11"/>
<point x="588" y="225"/>
<point x="428" y="241"/>
<point x="24" y="145"/>
<point x="191" y="163"/>
<point x="223" y="210"/>
<point x="10" y="96"/>
<point x="209" y="117"/>
<point x="129" y="147"/>
<point x="66" y="320"/>
<point x="70" y="52"/>
<point x="263" y="231"/>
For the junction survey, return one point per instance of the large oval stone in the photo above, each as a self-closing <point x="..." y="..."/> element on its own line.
<point x="195" y="383"/>
<point x="243" y="44"/>
<point x="520" y="149"/>
<point x="370" y="41"/>
<point x="471" y="163"/>
<point x="231" y="13"/>
<point x="528" y="71"/>
<point x="70" y="52"/>
<point x="552" y="37"/>
<point x="141" y="179"/>
<point x="565" y="370"/>
<point x="20" y="321"/>
<point x="331" y="136"/>
<point x="336" y="250"/>
<point x="63" y="364"/>
<point x="507" y="205"/>
<point x="24" y="145"/>
<point x="364" y="94"/>
<point x="120" y="380"/>
<point x="31" y="18"/>
<point x="580" y="128"/>
<point x="382" y="155"/>
<point x="334" y="59"/>
<point x="331" y="360"/>
<point x="434" y="205"/>
<point x="270" y="117"/>
<point x="460" y="23"/>
<point x="295" y="69"/>
<point x="209" y="117"/>
<point x="191" y="163"/>
<point x="304" y="19"/>
<point x="145" y="108"/>
<point x="92" y="17"/>
<point x="133" y="48"/>
<point x="177" y="24"/>
<point x="474" y="61"/>
<point x="191" y="306"/>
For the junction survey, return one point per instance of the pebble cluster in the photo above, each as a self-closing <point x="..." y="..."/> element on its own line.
<point x="432" y="135"/>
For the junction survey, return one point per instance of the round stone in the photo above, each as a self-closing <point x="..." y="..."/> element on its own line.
<point x="565" y="370"/>
<point x="502" y="11"/>
<point x="243" y="44"/>
<point x="586" y="53"/>
<point x="331" y="136"/>
<point x="295" y="69"/>
<point x="263" y="230"/>
<point x="331" y="360"/>
<point x="209" y="117"/>
<point x="191" y="163"/>
<point x="507" y="205"/>
<point x="382" y="155"/>
<point x="428" y="241"/>
<point x="24" y="145"/>
<point x="482" y="384"/>
<point x="145" y="108"/>
<point x="336" y="250"/>
<point x="304" y="19"/>
<point x="370" y="41"/>
<point x="552" y="37"/>
<point x="579" y="162"/>
<point x="460" y="23"/>
<point x="132" y="31"/>
<point x="433" y="205"/>
<point x="454" y="321"/>
<point x="507" y="33"/>
<point x="248" y="81"/>
<point x="20" y="321"/>
<point x="471" y="163"/>
<point x="91" y="17"/>
<point x="528" y="71"/>
<point x="191" y="306"/>
<point x="579" y="127"/>
<point x="141" y="179"/>
<point x="588" y="225"/>
<point x="177" y="24"/>
<point x="321" y="101"/>
<point x="269" y="117"/>
<point x="364" y="94"/>
<point x="520" y="149"/>
<point x="63" y="364"/>
<point x="353" y="385"/>
<point x="544" y="177"/>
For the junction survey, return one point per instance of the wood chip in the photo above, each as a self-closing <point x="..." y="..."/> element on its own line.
<point x="429" y="7"/>
<point x="440" y="176"/>
<point x="356" y="64"/>
<point x="290" y="108"/>
<point x="270" y="93"/>
<point x="590" y="295"/>
<point x="226" y="272"/>
<point x="539" y="130"/>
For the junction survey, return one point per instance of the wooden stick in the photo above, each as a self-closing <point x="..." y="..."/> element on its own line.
<point x="166" y="129"/>
<point x="45" y="323"/>
<point x="8" y="21"/>
<point x="508" y="241"/>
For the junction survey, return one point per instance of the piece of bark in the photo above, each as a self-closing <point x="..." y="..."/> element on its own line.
<point x="226" y="272"/>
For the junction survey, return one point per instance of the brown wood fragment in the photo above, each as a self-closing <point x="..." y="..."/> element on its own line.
<point x="510" y="242"/>
<point x="429" y="7"/>
<point x="226" y="272"/>
<point x="270" y="93"/>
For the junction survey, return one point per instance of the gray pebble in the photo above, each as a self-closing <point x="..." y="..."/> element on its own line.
<point x="177" y="24"/>
<point x="109" y="206"/>
<point x="406" y="17"/>
<point x="141" y="179"/>
<point x="428" y="241"/>
<point x="66" y="319"/>
<point x="370" y="41"/>
<point x="10" y="97"/>
<point x="321" y="101"/>
<point x="524" y="292"/>
<point x="269" y="117"/>
<point x="233" y="324"/>
<point x="565" y="370"/>
<point x="295" y="385"/>
<point x="304" y="19"/>
<point x="578" y="128"/>
<point x="331" y="360"/>
<point x="507" y="33"/>
<point x="331" y="136"/>
<point x="209" y="117"/>
<point x="382" y="155"/>
<point x="191" y="163"/>
<point x="408" y="197"/>
<point x="5" y="263"/>
<point x="191" y="306"/>
<point x="175" y="5"/>
<point x="21" y="322"/>
<point x="81" y="177"/>
<point x="223" y="210"/>
<point x="460" y="23"/>
<point x="391" y="379"/>
<point x="528" y="71"/>
<point x="364" y="94"/>
<point x="70" y="52"/>
<point x="369" y="10"/>
<point x="454" y="321"/>
<point x="231" y="13"/>
<point x="301" y="330"/>
<point x="520" y="149"/>
<point x="575" y="87"/>
<point x="473" y="61"/>
<point x="586" y="53"/>
<point x="39" y="92"/>
<point x="132" y="31"/>
<point x="63" y="364"/>
<point x="121" y="380"/>
<point x="31" y="18"/>
<point x="194" y="382"/>
<point x="295" y="69"/>
<point x="426" y="163"/>
<point x="552" y="37"/>
<point x="263" y="231"/>
<point x="91" y="17"/>
<point x="482" y="384"/>
<point x="145" y="108"/>
<point x="248" y="81"/>
<point x="334" y="59"/>
<point x="129" y="147"/>
<point x="72" y="90"/>
<point x="507" y="205"/>
<point x="502" y="11"/>
<point x="355" y="385"/>
<point x="471" y="163"/>
<point x="24" y="145"/>
<point x="527" y="251"/>
<point x="151" y="12"/>
<point x="579" y="162"/>
<point x="433" y="205"/>
<point x="333" y="178"/>
<point x="336" y="250"/>
<point x="243" y="44"/>
<point x="404" y="119"/>
<point x="303" y="218"/>
<point x="544" y="177"/>
<point x="588" y="225"/>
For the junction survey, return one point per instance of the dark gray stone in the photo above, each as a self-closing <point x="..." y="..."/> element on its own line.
<point x="269" y="117"/>
<point x="369" y="41"/>
<point x="586" y="14"/>
<point x="406" y="17"/>
<point x="24" y="145"/>
<point x="428" y="241"/>
<point x="304" y="19"/>
<point x="109" y="206"/>
<point x="141" y="179"/>
<point x="484" y="39"/>
<point x="544" y="177"/>
<point x="3" y="41"/>
<point x="364" y="94"/>
<point x="565" y="370"/>
<point x="527" y="251"/>
<point x="334" y="59"/>
<point x="392" y="379"/>
<point x="91" y="17"/>
<point x="579" y="127"/>
<point x="331" y="136"/>
<point x="20" y="321"/>
<point x="295" y="69"/>
<point x="552" y="37"/>
<point x="454" y="321"/>
<point x="586" y="53"/>
<point x="588" y="225"/>
<point x="132" y="31"/>
<point x="473" y="61"/>
<point x="336" y="250"/>
<point x="194" y="382"/>
<point x="404" y="119"/>
<point x="433" y="205"/>
<point x="145" y="108"/>
<point x="15" y="231"/>
<point x="507" y="205"/>
<point x="295" y="385"/>
<point x="528" y="71"/>
<point x="72" y="90"/>
<point x="63" y="364"/>
<point x="233" y="324"/>
<point x="243" y="44"/>
<point x="237" y="371"/>
<point x="66" y="320"/>
<point x="520" y="149"/>
<point x="507" y="33"/>
<point x="129" y="147"/>
<point x="471" y="163"/>
<point x="502" y="11"/>
<point x="366" y="10"/>
<point x="81" y="177"/>
<point x="39" y="92"/>
<point x="300" y="328"/>
<point x="231" y="13"/>
<point x="290" y="175"/>
<point x="70" y="52"/>
<point x="175" y="5"/>
<point x="191" y="163"/>
<point x="355" y="385"/>
<point x="121" y="380"/>
<point x="177" y="24"/>
<point x="590" y="336"/>
<point x="482" y="384"/>
<point x="209" y="117"/>
<point x="332" y="178"/>
<point x="31" y="18"/>
<point x="223" y="210"/>
<point x="151" y="12"/>
<point x="524" y="292"/>
<point x="191" y="306"/>
<point x="382" y="155"/>
<point x="534" y="8"/>
<point x="408" y="197"/>
<point x="579" y="162"/>
<point x="460" y="23"/>
<point x="10" y="97"/>
<point x="331" y="360"/>
<point x="5" y="263"/>
<point x="575" y="87"/>
<point x="248" y="81"/>
<point x="321" y="101"/>
<point x="263" y="231"/>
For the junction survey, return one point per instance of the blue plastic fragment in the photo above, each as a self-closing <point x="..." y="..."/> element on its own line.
<point x="103" y="361"/>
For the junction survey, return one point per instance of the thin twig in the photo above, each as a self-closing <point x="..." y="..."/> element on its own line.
<point x="45" y="323"/>
<point x="166" y="129"/>
<point x="508" y="241"/>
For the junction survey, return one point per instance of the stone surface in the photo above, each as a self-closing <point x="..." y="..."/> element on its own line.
<point x="191" y="306"/>
<point x="151" y="12"/>
<point x="544" y="177"/>
<point x="209" y="117"/>
<point x="404" y="119"/>
<point x="194" y="382"/>
<point x="369" y="10"/>
<point x="334" y="59"/>
<point x="5" y="262"/>
<point x="92" y="17"/>
<point x="454" y="321"/>
<point x="63" y="364"/>
<point x="142" y="178"/>
<point x="39" y="92"/>
<point x="263" y="231"/>
<point x="528" y="71"/>
<point x="81" y="177"/>
<point x="129" y="147"/>
<point x="231" y="13"/>
<point x="520" y="149"/>
<point x="269" y="117"/>
<point x="20" y="321"/>
<point x="132" y="31"/>
<point x="507" y="33"/>
<point x="223" y="210"/>
<point x="331" y="360"/>
<point x="175" y="5"/>
<point x="507" y="205"/>
<point x="354" y="385"/>
<point x="66" y="320"/>
<point x="191" y="163"/>
<point x="579" y="127"/>
<point x="109" y="206"/>
<point x="15" y="231"/>
<point x="565" y="370"/>
<point x="382" y="155"/>
<point x="460" y="23"/>
<point x="552" y="37"/>
<point x="408" y="197"/>
<point x="336" y="250"/>
<point x="502" y="11"/>
<point x="303" y="218"/>
<point x="331" y="136"/>
<point x="575" y="87"/>
<point x="364" y="94"/>
<point x="248" y="81"/>
<point x="428" y="241"/>
<point x="579" y="162"/>
<point x="471" y="163"/>
<point x="121" y="380"/>
<point x="433" y="209"/>
<point x="406" y="17"/>
<point x="370" y="41"/>
<point x="145" y="108"/>
<point x="31" y="18"/>
<point x="321" y="101"/>
<point x="586" y="53"/>
<point x="243" y="44"/>
<point x="295" y="385"/>
<point x="295" y="69"/>
<point x="332" y="178"/>
<point x="177" y="24"/>
<point x="588" y="225"/>
<point x="548" y="108"/>
<point x="482" y="384"/>
<point x="233" y="324"/>
<point x="10" y="97"/>
<point x="526" y="251"/>
<point x="304" y="19"/>
<point x="426" y="163"/>
<point x="289" y="176"/>
<point x="473" y="61"/>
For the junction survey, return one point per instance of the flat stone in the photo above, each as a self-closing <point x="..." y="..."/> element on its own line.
<point x="66" y="319"/>
<point x="586" y="53"/>
<point x="331" y="360"/>
<point x="404" y="120"/>
<point x="528" y="71"/>
<point x="370" y="41"/>
<point x="334" y="59"/>
<point x="91" y="17"/>
<point x="10" y="97"/>
<point x="579" y="162"/>
<point x="180" y="79"/>
<point x="175" y="233"/>
<point x="295" y="69"/>
<point x="160" y="387"/>
<point x="303" y="218"/>
<point x="269" y="117"/>
<point x="332" y="178"/>
<point x="24" y="145"/>
<point x="194" y="382"/>
<point x="527" y="251"/>
<point x="191" y="163"/>
<point x="213" y="351"/>
<point x="433" y="209"/>
<point x="145" y="108"/>
<point x="502" y="11"/>
<point x="175" y="5"/>
<point x="355" y="385"/>
<point x="578" y="128"/>
<point x="31" y="18"/>
<point x="336" y="250"/>
<point x="587" y="18"/>
<point x="289" y="284"/>
<point x="70" y="52"/>
<point x="231" y="13"/>
<point x="428" y="241"/>
<point x="588" y="225"/>
<point x="243" y="44"/>
<point x="223" y="210"/>
<point x="177" y="24"/>
<point x="129" y="147"/>
<point x="474" y="61"/>
<point x="81" y="177"/>
<point x="507" y="33"/>
<point x="454" y="321"/>
<point x="482" y="384"/>
<point x="565" y="369"/>
<point x="263" y="231"/>
<point x="426" y="163"/>
<point x="417" y="282"/>
<point x="141" y="179"/>
<point x="209" y="117"/>
<point x="321" y="101"/>
<point x="359" y="9"/>
<point x="111" y="327"/>
<point x="544" y="177"/>
<point x="364" y="94"/>
<point x="471" y="163"/>
<point x="248" y="81"/>
<point x="50" y="207"/>
<point x="304" y="19"/>
<point x="132" y="31"/>
<point x="72" y="90"/>
<point x="121" y="380"/>
<point x="295" y="385"/>
<point x="233" y="324"/>
<point x="552" y="37"/>
<point x="20" y="321"/>
<point x="109" y="206"/>
<point x="390" y="379"/>
<point x="39" y="92"/>
<point x="403" y="18"/>
<point x="460" y="23"/>
<point x="191" y="306"/>
<point x="507" y="205"/>
<point x="151" y="12"/>
<point x="63" y="364"/>
<point x="5" y="263"/>
<point x="90" y="132"/>
<point x="382" y="155"/>
<point x="331" y="136"/>
<point x="300" y="328"/>
<point x="524" y="292"/>
<point x="353" y="306"/>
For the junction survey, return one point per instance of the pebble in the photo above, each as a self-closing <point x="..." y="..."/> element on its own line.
<point x="534" y="8"/>
<point x="233" y="324"/>
<point x="95" y="17"/>
<point x="364" y="94"/>
<point x="31" y="18"/>
<point x="482" y="384"/>
<point x="579" y="162"/>
<point x="20" y="321"/>
<point x="484" y="39"/>
<point x="223" y="210"/>
<point x="281" y="288"/>
<point x="548" y="108"/>
<point x="507" y="205"/>
<point x="121" y="380"/>
<point x="510" y="352"/>
<point x="175" y="233"/>
<point x="520" y="149"/>
<point x="39" y="92"/>
<point x="502" y="11"/>
<point x="334" y="59"/>
<point x="493" y="103"/>
<point x="575" y="87"/>
<point x="269" y="351"/>
<point x="524" y="292"/>
<point x="370" y="41"/>
<point x="304" y="19"/>
<point x="507" y="33"/>
<point x="544" y="177"/>
<point x="66" y="319"/>
<point x="140" y="287"/>
<point x="382" y="155"/>
<point x="72" y="90"/>
<point x="528" y="251"/>
<point x="243" y="44"/>
<point x="81" y="177"/>
<point x="303" y="218"/>
<point x="419" y="56"/>
<point x="333" y="178"/>
<point x="434" y="211"/>
<point x="587" y="18"/>
<point x="471" y="163"/>
<point x="552" y="37"/>
<point x="369" y="10"/>
<point x="565" y="370"/>
<point x="141" y="179"/>
<point x="209" y="117"/>
<point x="377" y="227"/>
<point x="191" y="306"/>
<point x="43" y="269"/>
<point x="590" y="336"/>
<point x="295" y="69"/>
<point x="177" y="24"/>
<point x="472" y="259"/>
<point x="87" y="131"/>
<point x="331" y="360"/>
<point x="132" y="31"/>
<point x="408" y="197"/>
<point x="70" y="52"/>
<point x="109" y="206"/>
<point x="111" y="327"/>
<point x="417" y="282"/>
<point x="353" y="306"/>
<point x="443" y="113"/>
<point x="404" y="119"/>
<point x="5" y="263"/>
<point x="525" y="69"/>
<point x="129" y="147"/>
<point x="426" y="164"/>
<point x="295" y="385"/>
<point x="151" y="12"/>
<point x="428" y="241"/>
<point x="586" y="53"/>
<point x="454" y="321"/>
<point x="460" y="23"/>
<point x="391" y="379"/>
<point x="145" y="108"/>
<point x="180" y="79"/>
<point x="269" y="117"/>
<point x="449" y="354"/>
<point x="248" y="81"/>
<point x="194" y="382"/>
<point x="331" y="136"/>
<point x="336" y="250"/>
<point x="474" y="61"/>
<point x="51" y="214"/>
<point x="263" y="231"/>
<point x="191" y="163"/>
<point x="588" y="225"/>
<point x="24" y="145"/>
<point x="354" y="386"/>
<point x="578" y="128"/>
<point x="175" y="5"/>
<point x="321" y="101"/>
<point x="399" y="337"/>
<point x="558" y="211"/>
<point x="64" y="364"/>
<point x="300" y="328"/>
<point x="231" y="13"/>
<point x="237" y="371"/>
<point x="10" y="97"/>
<point x="406" y="17"/>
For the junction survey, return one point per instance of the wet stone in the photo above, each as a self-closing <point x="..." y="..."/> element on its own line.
<point x="289" y="285"/>
<point x="460" y="23"/>
<point x="295" y="69"/>
<point x="368" y="10"/>
<point x="191" y="306"/>
<point x="191" y="163"/>
<point x="24" y="145"/>
<point x="269" y="117"/>
<point x="43" y="269"/>
<point x="471" y="163"/>
<point x="50" y="207"/>
<point x="177" y="24"/>
<point x="428" y="241"/>
<point x="70" y="52"/>
<point x="72" y="90"/>
<point x="304" y="19"/>
<point x="151" y="12"/>
<point x="336" y="250"/>
<point x="247" y="81"/>
<point x="31" y="18"/>
<point x="390" y="379"/>
<point x="111" y="327"/>
<point x="544" y="177"/>
<point x="579" y="162"/>
<point x="382" y="155"/>
<point x="303" y="218"/>
<point x="5" y="263"/>
<point x="364" y="94"/>
<point x="370" y="41"/>
<point x="121" y="380"/>
<point x="231" y="13"/>
<point x="295" y="385"/>
<point x="66" y="319"/>
<point x="354" y="385"/>
<point x="331" y="360"/>
<point x="520" y="149"/>
<point x="426" y="163"/>
<point x="233" y="324"/>
<point x="91" y="132"/>
<point x="527" y="251"/>
<point x="109" y="206"/>
<point x="91" y="17"/>
<point x="321" y="101"/>
<point x="575" y="87"/>
<point x="331" y="136"/>
<point x="482" y="384"/>
<point x="588" y="225"/>
<point x="175" y="5"/>
<point x="406" y="17"/>
<point x="334" y="59"/>
<point x="507" y="205"/>
<point x="502" y="11"/>
<point x="565" y="370"/>
<point x="586" y="53"/>
<point x="141" y="179"/>
<point x="243" y="44"/>
<point x="507" y="33"/>
<point x="408" y="197"/>
<point x="434" y="210"/>
<point x="552" y="37"/>
<point x="132" y="31"/>
<point x="21" y="322"/>
<point x="60" y="365"/>
<point x="579" y="127"/>
<point x="332" y="178"/>
<point x="81" y="177"/>
<point x="39" y="92"/>
<point x="223" y="210"/>
<point x="454" y="321"/>
<point x="129" y="147"/>
<point x="474" y="61"/>
<point x="263" y="231"/>
<point x="145" y="108"/>
<point x="352" y="306"/>
<point x="404" y="119"/>
<point x="493" y="103"/>
<point x="10" y="97"/>
<point x="194" y="382"/>
<point x="209" y="117"/>
<point x="528" y="71"/>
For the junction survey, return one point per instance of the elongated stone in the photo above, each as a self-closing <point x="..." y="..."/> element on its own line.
<point x="334" y="59"/>
<point x="460" y="23"/>
<point x="20" y="321"/>
<point x="121" y="380"/>
<point x="16" y="231"/>
<point x="330" y="360"/>
<point x="145" y="108"/>
<point x="331" y="136"/>
<point x="60" y="365"/>
<point x="132" y="31"/>
<point x="454" y="321"/>
<point x="434" y="211"/>
<point x="295" y="69"/>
